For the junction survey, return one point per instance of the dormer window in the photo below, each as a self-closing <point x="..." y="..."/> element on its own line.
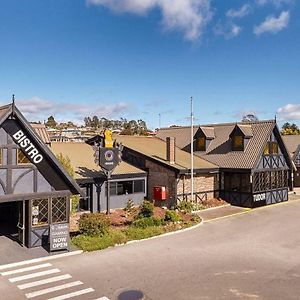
<point x="240" y="136"/>
<point x="201" y="144"/>
<point x="238" y="143"/>
<point x="203" y="138"/>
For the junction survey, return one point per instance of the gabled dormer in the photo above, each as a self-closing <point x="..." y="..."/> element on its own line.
<point x="240" y="136"/>
<point x="203" y="138"/>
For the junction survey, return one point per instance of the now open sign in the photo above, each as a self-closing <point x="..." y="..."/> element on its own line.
<point x="59" y="237"/>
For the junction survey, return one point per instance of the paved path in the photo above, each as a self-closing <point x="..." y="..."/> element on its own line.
<point x="252" y="255"/>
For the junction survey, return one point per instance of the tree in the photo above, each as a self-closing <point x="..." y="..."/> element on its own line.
<point x="51" y="122"/>
<point x="249" y="118"/>
<point x="290" y="129"/>
<point x="66" y="163"/>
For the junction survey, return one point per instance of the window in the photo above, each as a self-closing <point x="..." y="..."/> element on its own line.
<point x="39" y="211"/>
<point x="127" y="187"/>
<point x="22" y="159"/>
<point x="139" y="186"/>
<point x="238" y="143"/>
<point x="59" y="209"/>
<point x="267" y="149"/>
<point x="271" y="148"/>
<point x="274" y="147"/>
<point x="201" y="144"/>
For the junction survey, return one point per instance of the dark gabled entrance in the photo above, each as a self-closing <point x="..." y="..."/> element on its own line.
<point x="12" y="221"/>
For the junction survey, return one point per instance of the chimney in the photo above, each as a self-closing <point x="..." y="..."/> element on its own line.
<point x="171" y="150"/>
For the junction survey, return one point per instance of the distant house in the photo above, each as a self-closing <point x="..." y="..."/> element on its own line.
<point x="169" y="167"/>
<point x="255" y="166"/>
<point x="293" y="145"/>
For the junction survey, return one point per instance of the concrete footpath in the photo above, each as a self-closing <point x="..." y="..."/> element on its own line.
<point x="220" y="212"/>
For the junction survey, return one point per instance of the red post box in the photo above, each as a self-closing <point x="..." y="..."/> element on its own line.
<point x="160" y="193"/>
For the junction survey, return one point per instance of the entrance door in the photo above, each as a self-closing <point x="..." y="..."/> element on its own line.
<point x="21" y="223"/>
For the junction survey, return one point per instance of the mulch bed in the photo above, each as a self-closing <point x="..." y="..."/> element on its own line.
<point x="120" y="219"/>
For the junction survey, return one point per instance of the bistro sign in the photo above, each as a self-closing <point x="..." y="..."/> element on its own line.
<point x="24" y="142"/>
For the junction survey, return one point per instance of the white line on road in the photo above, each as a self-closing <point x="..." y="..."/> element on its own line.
<point x="26" y="269"/>
<point x="44" y="281"/>
<point x="74" y="294"/>
<point x="53" y="289"/>
<point x="34" y="275"/>
<point x="36" y="260"/>
<point x="102" y="298"/>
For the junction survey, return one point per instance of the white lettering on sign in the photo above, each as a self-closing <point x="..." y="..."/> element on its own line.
<point x="27" y="146"/>
<point x="259" y="197"/>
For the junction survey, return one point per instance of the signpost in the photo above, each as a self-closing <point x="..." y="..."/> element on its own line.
<point x="108" y="156"/>
<point x="59" y="237"/>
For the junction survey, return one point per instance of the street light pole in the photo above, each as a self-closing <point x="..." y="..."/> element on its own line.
<point x="192" y="150"/>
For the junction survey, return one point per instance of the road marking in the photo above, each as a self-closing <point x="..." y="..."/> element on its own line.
<point x="26" y="269"/>
<point x="34" y="275"/>
<point x="37" y="260"/>
<point x="102" y="298"/>
<point x="53" y="289"/>
<point x="74" y="294"/>
<point x="44" y="281"/>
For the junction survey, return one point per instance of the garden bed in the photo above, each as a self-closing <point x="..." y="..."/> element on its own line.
<point x="99" y="231"/>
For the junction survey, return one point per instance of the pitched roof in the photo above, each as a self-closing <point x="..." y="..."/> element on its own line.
<point x="246" y="129"/>
<point x="181" y="133"/>
<point x="11" y="110"/>
<point x="219" y="150"/>
<point x="82" y="160"/>
<point x="155" y="149"/>
<point x="292" y="143"/>
<point x="208" y="131"/>
<point x="40" y="129"/>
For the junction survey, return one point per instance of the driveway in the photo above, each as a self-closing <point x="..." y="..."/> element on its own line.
<point x="253" y="255"/>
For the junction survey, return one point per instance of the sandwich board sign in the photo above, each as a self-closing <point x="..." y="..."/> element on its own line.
<point x="59" y="237"/>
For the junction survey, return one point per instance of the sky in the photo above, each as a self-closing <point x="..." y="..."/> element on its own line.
<point x="138" y="59"/>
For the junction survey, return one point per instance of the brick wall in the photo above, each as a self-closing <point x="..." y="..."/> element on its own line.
<point x="161" y="176"/>
<point x="202" y="183"/>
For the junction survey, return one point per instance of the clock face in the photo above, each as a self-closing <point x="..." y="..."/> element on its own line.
<point x="109" y="155"/>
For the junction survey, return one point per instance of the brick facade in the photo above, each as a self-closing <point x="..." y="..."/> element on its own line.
<point x="161" y="176"/>
<point x="202" y="183"/>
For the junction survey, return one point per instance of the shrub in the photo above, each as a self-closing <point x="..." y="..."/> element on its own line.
<point x="92" y="243"/>
<point x="96" y="224"/>
<point x="172" y="216"/>
<point x="147" y="222"/>
<point x="186" y="206"/>
<point x="146" y="209"/>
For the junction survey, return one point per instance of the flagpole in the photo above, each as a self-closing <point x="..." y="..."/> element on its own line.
<point x="192" y="151"/>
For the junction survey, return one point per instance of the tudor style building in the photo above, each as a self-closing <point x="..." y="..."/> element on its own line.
<point x="34" y="187"/>
<point x="254" y="163"/>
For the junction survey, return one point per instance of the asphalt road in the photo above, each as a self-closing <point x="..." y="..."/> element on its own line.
<point x="253" y="255"/>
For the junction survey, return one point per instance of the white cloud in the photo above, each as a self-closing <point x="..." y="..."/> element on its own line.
<point x="239" y="13"/>
<point x="277" y="3"/>
<point x="187" y="16"/>
<point x="289" y="112"/>
<point x="37" y="109"/>
<point x="273" y="24"/>
<point x="228" y="30"/>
